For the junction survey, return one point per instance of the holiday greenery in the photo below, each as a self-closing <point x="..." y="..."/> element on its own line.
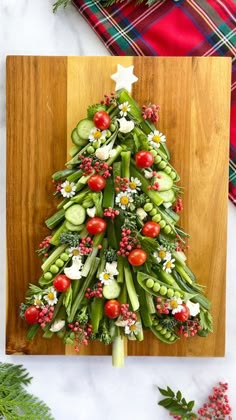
<point x="105" y="3"/>
<point x="15" y="402"/>
<point x="114" y="263"/>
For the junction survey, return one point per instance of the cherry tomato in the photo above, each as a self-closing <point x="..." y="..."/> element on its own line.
<point x="151" y="229"/>
<point x="144" y="159"/>
<point x="32" y="315"/>
<point x="137" y="257"/>
<point x="102" y="120"/>
<point x="96" y="183"/>
<point x="112" y="308"/>
<point x="61" y="283"/>
<point x="96" y="225"/>
<point x="183" y="315"/>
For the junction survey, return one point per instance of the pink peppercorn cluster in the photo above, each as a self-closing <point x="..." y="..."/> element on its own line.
<point x="86" y="165"/>
<point x="45" y="315"/>
<point x="155" y="186"/>
<point x="86" y="245"/>
<point x="95" y="292"/>
<point x="102" y="169"/>
<point x="57" y="185"/>
<point x="150" y="112"/>
<point x="111" y="213"/>
<point x="82" y="334"/>
<point x="178" y="206"/>
<point x="44" y="246"/>
<point x="127" y="315"/>
<point x="162" y="306"/>
<point x="179" y="246"/>
<point x="121" y="184"/>
<point x="218" y="406"/>
<point x="127" y="243"/>
<point x="190" y="328"/>
<point x="108" y="99"/>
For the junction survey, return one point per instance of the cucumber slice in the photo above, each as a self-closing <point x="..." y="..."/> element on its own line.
<point x="73" y="228"/>
<point x="168" y="196"/>
<point x="165" y="182"/>
<point x="76" y="139"/>
<point x="112" y="290"/>
<point x="83" y="128"/>
<point x="75" y="214"/>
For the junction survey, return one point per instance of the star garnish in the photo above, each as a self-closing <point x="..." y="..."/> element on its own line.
<point x="124" y="77"/>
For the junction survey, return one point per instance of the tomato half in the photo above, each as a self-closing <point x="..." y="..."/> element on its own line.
<point x="32" y="315"/>
<point x="183" y="315"/>
<point x="96" y="225"/>
<point x="112" y="308"/>
<point x="151" y="229"/>
<point x="102" y="120"/>
<point x="144" y="159"/>
<point x="96" y="183"/>
<point x="61" y="283"/>
<point x="137" y="257"/>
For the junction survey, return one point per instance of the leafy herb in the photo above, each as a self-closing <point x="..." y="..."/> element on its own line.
<point x="82" y="316"/>
<point x="168" y="322"/>
<point x="130" y="220"/>
<point x="60" y="3"/>
<point x="69" y="238"/>
<point x="34" y="290"/>
<point x="110" y="255"/>
<point x="104" y="334"/>
<point x="92" y="109"/>
<point x="206" y="321"/>
<point x="23" y="308"/>
<point x="139" y="200"/>
<point x="15" y="401"/>
<point x="149" y="245"/>
<point x="170" y="246"/>
<point x="176" y="404"/>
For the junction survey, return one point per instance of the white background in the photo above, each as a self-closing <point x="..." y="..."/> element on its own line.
<point x="89" y="388"/>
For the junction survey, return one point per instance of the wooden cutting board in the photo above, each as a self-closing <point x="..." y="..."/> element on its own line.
<point x="46" y="96"/>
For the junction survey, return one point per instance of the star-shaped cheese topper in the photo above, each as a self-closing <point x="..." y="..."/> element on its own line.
<point x="124" y="77"/>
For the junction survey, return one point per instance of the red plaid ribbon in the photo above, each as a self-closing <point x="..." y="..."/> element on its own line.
<point x="167" y="28"/>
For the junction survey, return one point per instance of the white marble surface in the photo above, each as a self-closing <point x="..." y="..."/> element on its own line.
<point x="89" y="388"/>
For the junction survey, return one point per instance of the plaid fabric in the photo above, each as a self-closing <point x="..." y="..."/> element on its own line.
<point x="183" y="28"/>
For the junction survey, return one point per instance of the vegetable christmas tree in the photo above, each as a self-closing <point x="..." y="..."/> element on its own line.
<point x="114" y="263"/>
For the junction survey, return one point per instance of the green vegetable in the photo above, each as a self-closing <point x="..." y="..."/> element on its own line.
<point x="108" y="194"/>
<point x="62" y="174"/>
<point x="130" y="287"/>
<point x="83" y="128"/>
<point x="90" y="259"/>
<point x="168" y="196"/>
<point x="55" y="219"/>
<point x="125" y="164"/>
<point x="55" y="240"/>
<point x="153" y="195"/>
<point x="52" y="257"/>
<point x="75" y="214"/>
<point x="111" y="290"/>
<point x="76" y="138"/>
<point x="73" y="228"/>
<point x="96" y="313"/>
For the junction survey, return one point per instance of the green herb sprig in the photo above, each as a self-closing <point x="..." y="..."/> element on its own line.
<point x="176" y="404"/>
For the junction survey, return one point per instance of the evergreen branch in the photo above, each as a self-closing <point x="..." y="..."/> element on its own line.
<point x="60" y="3"/>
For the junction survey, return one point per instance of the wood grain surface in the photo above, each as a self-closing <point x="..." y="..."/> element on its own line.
<point x="46" y="96"/>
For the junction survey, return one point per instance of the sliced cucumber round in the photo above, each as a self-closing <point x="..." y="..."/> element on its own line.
<point x="168" y="196"/>
<point x="112" y="290"/>
<point x="76" y="139"/>
<point x="75" y="214"/>
<point x="72" y="227"/>
<point x="83" y="128"/>
<point x="165" y="182"/>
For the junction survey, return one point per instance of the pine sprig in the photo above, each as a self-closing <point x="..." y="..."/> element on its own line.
<point x="15" y="401"/>
<point x="60" y="3"/>
<point x="176" y="404"/>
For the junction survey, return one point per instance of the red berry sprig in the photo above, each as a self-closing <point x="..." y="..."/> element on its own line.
<point x="82" y="334"/>
<point x="111" y="213"/>
<point x="95" y="292"/>
<point x="121" y="184"/>
<point x="102" y="169"/>
<point x="150" y="112"/>
<point x="44" y="246"/>
<point x="178" y="206"/>
<point x="57" y="185"/>
<point x="127" y="243"/>
<point x="86" y="245"/>
<point x="108" y="99"/>
<point x="162" y="306"/>
<point x="189" y="329"/>
<point x="218" y="406"/>
<point x="155" y="187"/>
<point x="45" y="315"/>
<point x="126" y="314"/>
<point x="86" y="165"/>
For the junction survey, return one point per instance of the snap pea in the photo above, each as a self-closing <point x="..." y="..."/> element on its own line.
<point x="156" y="287"/>
<point x="162" y="335"/>
<point x="96" y="313"/>
<point x="108" y="194"/>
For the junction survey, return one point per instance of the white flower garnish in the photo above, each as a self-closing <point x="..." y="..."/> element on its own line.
<point x="156" y="138"/>
<point x="38" y="302"/>
<point x="68" y="189"/>
<point x="105" y="277"/>
<point x="175" y="305"/>
<point x="74" y="252"/>
<point x="112" y="268"/>
<point x="57" y="325"/>
<point x="169" y="265"/>
<point x="133" y="329"/>
<point x="96" y="134"/>
<point x="141" y="213"/>
<point x="134" y="185"/>
<point x="125" y="125"/>
<point x="74" y="271"/>
<point x="91" y="211"/>
<point x="162" y="254"/>
<point x="51" y="296"/>
<point x="148" y="174"/>
<point x="124" y="109"/>
<point x="124" y="199"/>
<point x="194" y="308"/>
<point x="103" y="153"/>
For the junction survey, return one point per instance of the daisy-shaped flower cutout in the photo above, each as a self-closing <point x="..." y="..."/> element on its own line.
<point x="134" y="185"/>
<point x="124" y="109"/>
<point x="175" y="305"/>
<point x="96" y="134"/>
<point x="38" y="302"/>
<point x="68" y="189"/>
<point x="162" y="254"/>
<point x="74" y="252"/>
<point x="169" y="265"/>
<point x="106" y="277"/>
<point x="156" y="138"/>
<point x="124" y="199"/>
<point x="51" y="296"/>
<point x="133" y="329"/>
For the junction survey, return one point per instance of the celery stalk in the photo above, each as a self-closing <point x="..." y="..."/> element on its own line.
<point x="120" y="267"/>
<point x="55" y="219"/>
<point x="55" y="254"/>
<point x="97" y="241"/>
<point x="125" y="168"/>
<point x="113" y="158"/>
<point x="153" y="195"/>
<point x="55" y="240"/>
<point x="130" y="287"/>
<point x="118" y="351"/>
